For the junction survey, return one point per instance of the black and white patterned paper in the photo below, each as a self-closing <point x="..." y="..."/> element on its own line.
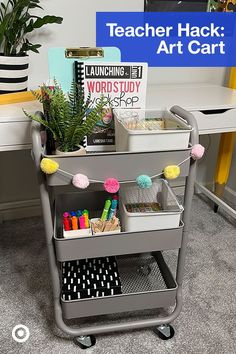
<point x="89" y="278"/>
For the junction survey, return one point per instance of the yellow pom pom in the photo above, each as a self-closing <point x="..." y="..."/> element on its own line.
<point x="171" y="172"/>
<point x="49" y="166"/>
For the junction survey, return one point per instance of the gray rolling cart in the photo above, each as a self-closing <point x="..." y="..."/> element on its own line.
<point x="133" y="250"/>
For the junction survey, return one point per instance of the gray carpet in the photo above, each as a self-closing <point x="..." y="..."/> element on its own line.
<point x="207" y="323"/>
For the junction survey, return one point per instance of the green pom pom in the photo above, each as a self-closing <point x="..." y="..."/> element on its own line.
<point x="144" y="181"/>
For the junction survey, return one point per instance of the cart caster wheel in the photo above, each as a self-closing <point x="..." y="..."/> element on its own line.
<point x="165" y="332"/>
<point x="85" y="342"/>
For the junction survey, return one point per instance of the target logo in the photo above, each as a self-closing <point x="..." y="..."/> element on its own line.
<point x="20" y="333"/>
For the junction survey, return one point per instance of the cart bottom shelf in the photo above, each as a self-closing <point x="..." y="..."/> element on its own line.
<point x="146" y="283"/>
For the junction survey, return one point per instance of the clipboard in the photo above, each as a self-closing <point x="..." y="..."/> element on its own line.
<point x="61" y="61"/>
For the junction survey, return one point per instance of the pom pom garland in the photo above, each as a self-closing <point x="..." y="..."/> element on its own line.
<point x="111" y="185"/>
<point x="171" y="172"/>
<point x="144" y="181"/>
<point x="80" y="181"/>
<point x="49" y="166"/>
<point x="197" y="151"/>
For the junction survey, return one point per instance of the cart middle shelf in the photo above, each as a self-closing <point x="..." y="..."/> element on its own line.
<point x="102" y="245"/>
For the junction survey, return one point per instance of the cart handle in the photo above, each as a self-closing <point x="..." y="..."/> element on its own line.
<point x="36" y="141"/>
<point x="189" y="118"/>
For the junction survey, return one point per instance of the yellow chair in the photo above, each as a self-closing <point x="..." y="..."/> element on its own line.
<point x="227" y="141"/>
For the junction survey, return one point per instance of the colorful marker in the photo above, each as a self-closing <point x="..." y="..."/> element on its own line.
<point x="106" y="210"/>
<point x="66" y="223"/>
<point x="82" y="222"/>
<point x="79" y="213"/>
<point x="86" y="216"/>
<point x="113" y="208"/>
<point x="74" y="222"/>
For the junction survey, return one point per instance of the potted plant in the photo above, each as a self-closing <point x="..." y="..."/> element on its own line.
<point x="16" y="22"/>
<point x="69" y="117"/>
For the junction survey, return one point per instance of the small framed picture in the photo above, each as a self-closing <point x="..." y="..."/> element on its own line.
<point x="175" y="5"/>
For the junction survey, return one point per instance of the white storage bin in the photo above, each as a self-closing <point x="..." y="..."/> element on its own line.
<point x="77" y="233"/>
<point x="168" y="217"/>
<point x="150" y="130"/>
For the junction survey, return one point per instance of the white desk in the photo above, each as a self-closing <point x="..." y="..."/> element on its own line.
<point x="198" y="98"/>
<point x="214" y="108"/>
<point x="15" y="126"/>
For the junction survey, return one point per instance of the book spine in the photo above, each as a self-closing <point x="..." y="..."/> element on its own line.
<point x="79" y="73"/>
<point x="79" y="79"/>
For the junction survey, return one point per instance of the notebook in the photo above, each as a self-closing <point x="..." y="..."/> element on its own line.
<point x="124" y="85"/>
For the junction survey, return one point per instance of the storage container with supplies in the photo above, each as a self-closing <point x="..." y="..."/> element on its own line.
<point x="150" y="130"/>
<point x="156" y="208"/>
<point x="105" y="243"/>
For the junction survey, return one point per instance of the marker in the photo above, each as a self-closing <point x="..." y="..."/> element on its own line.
<point x="112" y="211"/>
<point x="74" y="223"/>
<point x="66" y="223"/>
<point x="106" y="210"/>
<point x="79" y="213"/>
<point x="82" y="222"/>
<point x="86" y="215"/>
<point x="73" y="213"/>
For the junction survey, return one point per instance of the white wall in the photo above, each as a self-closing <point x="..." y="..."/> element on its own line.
<point x="78" y="29"/>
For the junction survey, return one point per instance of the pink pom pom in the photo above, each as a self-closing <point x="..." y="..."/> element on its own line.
<point x="111" y="185"/>
<point x="80" y="181"/>
<point x="197" y="151"/>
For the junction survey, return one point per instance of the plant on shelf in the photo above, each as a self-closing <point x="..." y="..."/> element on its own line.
<point x="16" y="23"/>
<point x="69" y="117"/>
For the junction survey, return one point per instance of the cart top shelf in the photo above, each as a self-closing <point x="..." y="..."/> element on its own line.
<point x="120" y="165"/>
<point x="123" y="166"/>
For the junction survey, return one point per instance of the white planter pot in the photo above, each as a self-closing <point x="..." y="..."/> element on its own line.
<point x="13" y="73"/>
<point x="79" y="152"/>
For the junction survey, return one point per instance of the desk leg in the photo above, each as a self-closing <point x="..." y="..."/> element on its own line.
<point x="218" y="201"/>
<point x="225" y="152"/>
<point x="223" y="164"/>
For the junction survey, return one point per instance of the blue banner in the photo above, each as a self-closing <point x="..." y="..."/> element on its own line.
<point x="170" y="39"/>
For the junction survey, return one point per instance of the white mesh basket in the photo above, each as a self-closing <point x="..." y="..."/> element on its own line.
<point x="139" y="207"/>
<point x="150" y="130"/>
